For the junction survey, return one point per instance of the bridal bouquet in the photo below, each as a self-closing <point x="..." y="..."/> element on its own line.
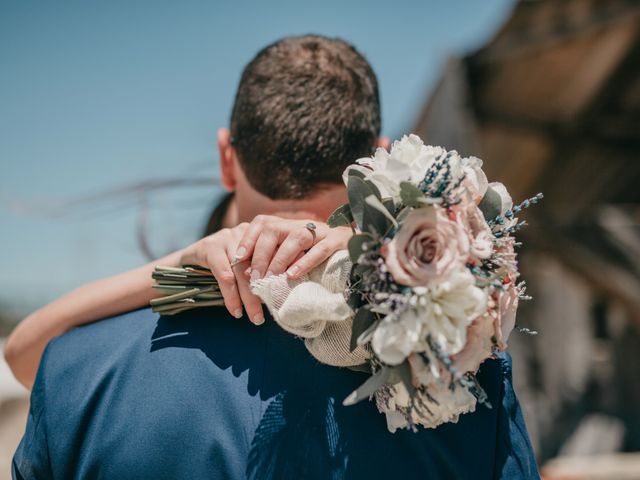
<point x="425" y="293"/>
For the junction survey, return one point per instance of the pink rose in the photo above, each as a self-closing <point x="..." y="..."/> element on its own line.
<point x="479" y="345"/>
<point x="498" y="322"/>
<point x="475" y="180"/>
<point x="507" y="309"/>
<point x="427" y="248"/>
<point x="481" y="238"/>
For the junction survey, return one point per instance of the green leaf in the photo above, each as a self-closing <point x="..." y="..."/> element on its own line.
<point x="374" y="189"/>
<point x="363" y="319"/>
<point x="367" y="218"/>
<point x="491" y="204"/>
<point x="354" y="172"/>
<point x="389" y="205"/>
<point x="360" y="270"/>
<point x="358" y="190"/>
<point x="374" y="202"/>
<point x="368" y="388"/>
<point x="355" y="300"/>
<point x="403" y="214"/>
<point x="356" y="246"/>
<point x="404" y="372"/>
<point x="411" y="195"/>
<point x="363" y="367"/>
<point x="341" y="216"/>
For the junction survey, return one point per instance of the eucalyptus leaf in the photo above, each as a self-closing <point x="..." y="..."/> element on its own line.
<point x="374" y="202"/>
<point x="374" y="189"/>
<point x="403" y="214"/>
<point x="363" y="367"/>
<point x="491" y="204"/>
<point x="361" y="269"/>
<point x="368" y="388"/>
<point x="341" y="216"/>
<point x="354" y="172"/>
<point x="355" y="300"/>
<point x="366" y="336"/>
<point x="411" y="195"/>
<point x="363" y="319"/>
<point x="367" y="218"/>
<point x="390" y="205"/>
<point x="358" y="190"/>
<point x="356" y="246"/>
<point x="404" y="372"/>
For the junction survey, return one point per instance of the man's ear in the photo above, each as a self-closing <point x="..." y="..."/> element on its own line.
<point x="227" y="160"/>
<point x="383" y="142"/>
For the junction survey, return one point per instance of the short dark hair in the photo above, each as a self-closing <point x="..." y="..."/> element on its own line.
<point x="306" y="107"/>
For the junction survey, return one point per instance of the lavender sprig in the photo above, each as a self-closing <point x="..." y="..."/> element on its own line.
<point x="512" y="212"/>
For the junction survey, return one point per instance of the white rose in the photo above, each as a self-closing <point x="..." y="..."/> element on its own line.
<point x="408" y="161"/>
<point x="418" y="157"/>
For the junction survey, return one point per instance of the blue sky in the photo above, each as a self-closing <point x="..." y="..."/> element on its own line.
<point x="97" y="96"/>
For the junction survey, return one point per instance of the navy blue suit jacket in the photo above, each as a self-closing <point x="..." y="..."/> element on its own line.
<point x="202" y="395"/>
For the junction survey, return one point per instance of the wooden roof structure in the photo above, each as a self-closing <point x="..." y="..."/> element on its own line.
<point x="552" y="104"/>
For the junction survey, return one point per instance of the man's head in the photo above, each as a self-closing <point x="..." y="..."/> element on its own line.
<point x="306" y="107"/>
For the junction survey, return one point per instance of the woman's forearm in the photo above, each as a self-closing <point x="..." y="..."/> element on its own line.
<point x="91" y="302"/>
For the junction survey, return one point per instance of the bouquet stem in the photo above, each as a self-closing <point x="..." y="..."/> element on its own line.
<point x="184" y="288"/>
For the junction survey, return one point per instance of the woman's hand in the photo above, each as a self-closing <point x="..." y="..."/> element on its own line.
<point x="217" y="252"/>
<point x="267" y="246"/>
<point x="276" y="245"/>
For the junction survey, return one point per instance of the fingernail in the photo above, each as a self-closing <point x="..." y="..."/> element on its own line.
<point x="269" y="273"/>
<point x="293" y="270"/>
<point x="258" y="319"/>
<point x="247" y="272"/>
<point x="240" y="253"/>
<point x="237" y="313"/>
<point x="255" y="275"/>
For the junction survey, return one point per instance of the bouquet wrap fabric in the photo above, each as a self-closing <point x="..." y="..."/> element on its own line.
<point x="431" y="278"/>
<point x="314" y="307"/>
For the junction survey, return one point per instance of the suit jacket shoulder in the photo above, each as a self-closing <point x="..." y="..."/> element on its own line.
<point x="203" y="395"/>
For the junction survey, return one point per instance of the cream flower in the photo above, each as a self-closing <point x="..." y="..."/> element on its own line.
<point x="427" y="248"/>
<point x="475" y="179"/>
<point x="442" y="312"/>
<point x="408" y="161"/>
<point x="506" y="201"/>
<point x="450" y="307"/>
<point x="396" y="338"/>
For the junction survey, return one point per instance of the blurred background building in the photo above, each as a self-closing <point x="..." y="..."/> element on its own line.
<point x="552" y="103"/>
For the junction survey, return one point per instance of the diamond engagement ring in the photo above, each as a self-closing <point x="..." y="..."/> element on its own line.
<point x="312" y="228"/>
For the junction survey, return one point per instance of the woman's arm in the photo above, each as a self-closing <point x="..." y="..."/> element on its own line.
<point x="270" y="244"/>
<point x="88" y="303"/>
<point x="112" y="296"/>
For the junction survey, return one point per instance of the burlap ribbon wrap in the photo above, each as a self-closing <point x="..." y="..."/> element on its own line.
<point x="314" y="307"/>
